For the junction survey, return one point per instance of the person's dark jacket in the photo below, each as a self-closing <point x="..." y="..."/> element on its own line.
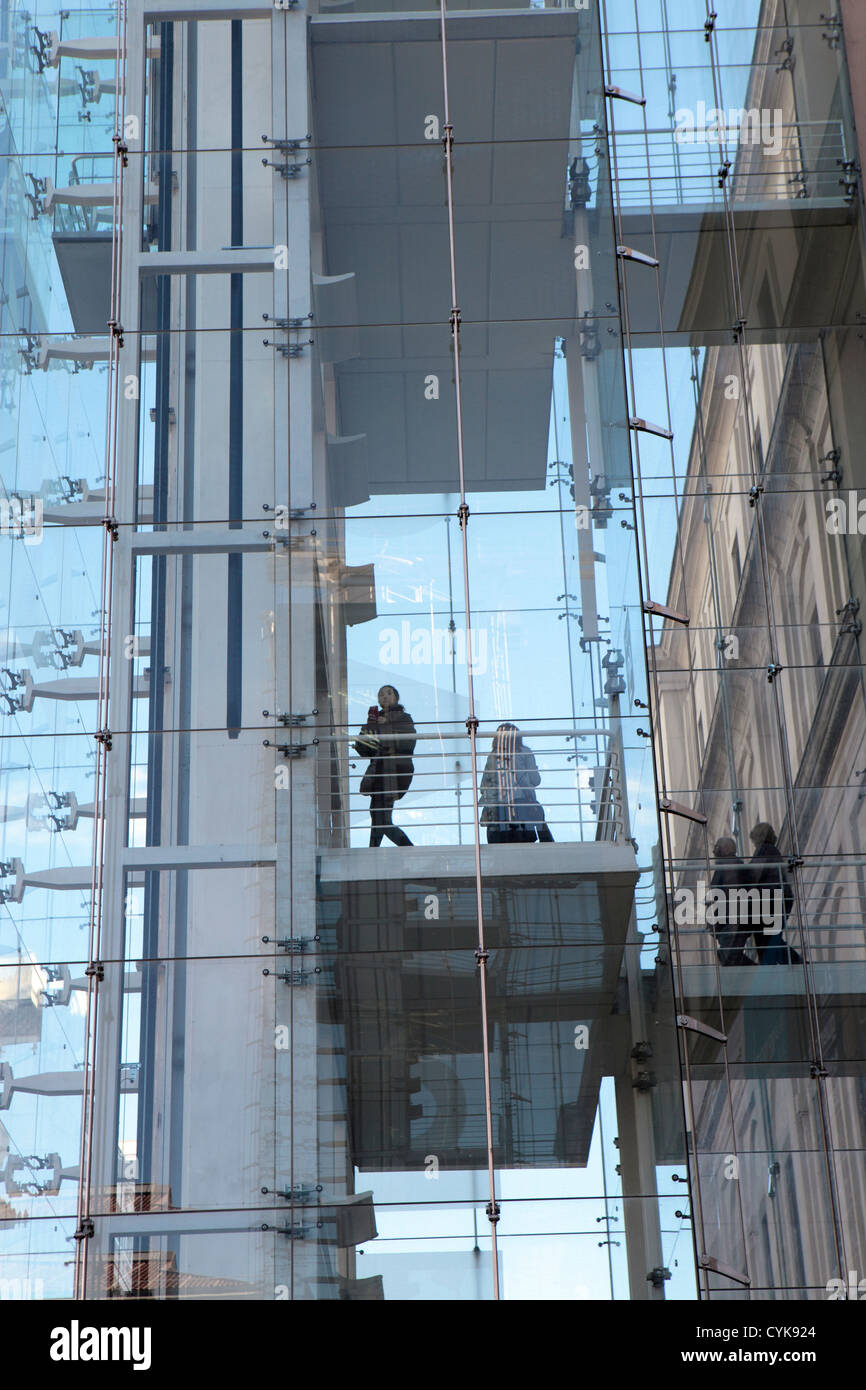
<point x="731" y="926"/>
<point x="508" y="786"/>
<point x="727" y="876"/>
<point x="766" y="871"/>
<point x="389" y="744"/>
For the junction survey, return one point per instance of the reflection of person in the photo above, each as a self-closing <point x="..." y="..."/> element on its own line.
<point x="728" y="876"/>
<point x="388" y="740"/>
<point x="766" y="872"/>
<point x="510" y="808"/>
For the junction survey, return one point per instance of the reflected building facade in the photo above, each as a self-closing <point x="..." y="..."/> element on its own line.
<point x="508" y="359"/>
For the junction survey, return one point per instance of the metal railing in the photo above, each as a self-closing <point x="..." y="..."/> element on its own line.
<point x="767" y="163"/>
<point x="579" y="789"/>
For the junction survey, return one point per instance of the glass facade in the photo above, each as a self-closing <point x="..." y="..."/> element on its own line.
<point x="431" y="538"/>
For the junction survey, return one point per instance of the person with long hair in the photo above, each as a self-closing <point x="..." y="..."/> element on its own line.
<point x="511" y="811"/>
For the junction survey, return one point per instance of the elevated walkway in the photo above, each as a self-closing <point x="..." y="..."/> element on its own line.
<point x="403" y="927"/>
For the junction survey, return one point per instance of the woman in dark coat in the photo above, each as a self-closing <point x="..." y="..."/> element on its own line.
<point x="766" y="871"/>
<point x="388" y="740"/>
<point x="510" y="808"/>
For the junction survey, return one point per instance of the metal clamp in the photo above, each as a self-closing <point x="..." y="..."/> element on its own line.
<point x="289" y="750"/>
<point x="290" y="145"/>
<point x="291" y="721"/>
<point x="287" y="171"/>
<point x="294" y="944"/>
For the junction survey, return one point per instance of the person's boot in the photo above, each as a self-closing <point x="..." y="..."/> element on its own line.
<point x="398" y="836"/>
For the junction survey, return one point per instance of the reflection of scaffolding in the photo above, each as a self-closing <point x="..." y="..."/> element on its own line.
<point x="784" y="164"/>
<point x="408" y="986"/>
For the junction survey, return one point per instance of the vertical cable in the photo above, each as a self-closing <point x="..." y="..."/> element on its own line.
<point x="818" y="1069"/>
<point x="658" y="755"/>
<point x="85" y="1182"/>
<point x="481" y="953"/>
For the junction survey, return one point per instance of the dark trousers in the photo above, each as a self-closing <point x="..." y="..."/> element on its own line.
<point x="509" y="833"/>
<point x="381" y="811"/>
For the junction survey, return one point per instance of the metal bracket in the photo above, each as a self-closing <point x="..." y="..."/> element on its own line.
<point x="103" y="736"/>
<point x="717" y="1267"/>
<point x="661" y="610"/>
<point x="773" y="671"/>
<point x="95" y="971"/>
<point x="290" y="750"/>
<point x="116" y="331"/>
<point x="835" y="474"/>
<point x="786" y="47"/>
<point x="834" y="24"/>
<point x="628" y="253"/>
<point x="288" y="349"/>
<point x="623" y="95"/>
<point x="849" y="182"/>
<point x="694" y="1025"/>
<point x="755" y="493"/>
<point x="291" y="721"/>
<point x="86" y="1230"/>
<point x="294" y="977"/>
<point x="289" y="145"/>
<point x="287" y="171"/>
<point x="676" y="808"/>
<point x="296" y="1192"/>
<point x="288" y="324"/>
<point x="296" y="945"/>
<point x="41" y="48"/>
<point x="646" y="427"/>
<point x="298" y="1231"/>
<point x="40" y="188"/>
<point x="852" y="623"/>
<point x="590" y="346"/>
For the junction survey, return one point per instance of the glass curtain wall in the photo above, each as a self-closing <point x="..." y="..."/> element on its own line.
<point x="56" y="125"/>
<point x="430" y="512"/>
<point x="738" y="175"/>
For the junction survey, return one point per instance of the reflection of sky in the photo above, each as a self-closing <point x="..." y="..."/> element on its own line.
<point x="522" y="555"/>
<point x="561" y="1235"/>
<point x="52" y="425"/>
<point x="522" y="563"/>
